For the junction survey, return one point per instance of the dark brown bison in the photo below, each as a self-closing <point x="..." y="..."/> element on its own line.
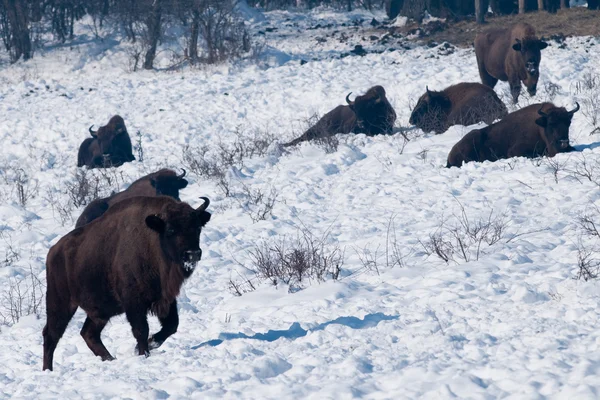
<point x="370" y="113"/>
<point x="533" y="131"/>
<point x="109" y="146"/>
<point x="133" y="260"/>
<point x="512" y="55"/>
<point x="165" y="182"/>
<point x="461" y="104"/>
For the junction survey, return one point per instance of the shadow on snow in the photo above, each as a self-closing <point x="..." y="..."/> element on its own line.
<point x="295" y="331"/>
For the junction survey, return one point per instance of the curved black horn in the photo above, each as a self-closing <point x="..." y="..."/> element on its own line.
<point x="543" y="114"/>
<point x="93" y="133"/>
<point x="348" y="99"/>
<point x="182" y="174"/>
<point x="577" y="107"/>
<point x="204" y="206"/>
<point x="427" y="89"/>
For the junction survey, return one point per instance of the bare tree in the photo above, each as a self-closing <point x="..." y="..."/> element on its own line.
<point x="153" y="24"/>
<point x="18" y="40"/>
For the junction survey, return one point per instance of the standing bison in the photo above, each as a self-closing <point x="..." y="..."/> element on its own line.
<point x="512" y="55"/>
<point x="370" y="113"/>
<point x="461" y="104"/>
<point x="533" y="131"/>
<point x="133" y="261"/>
<point x="109" y="146"/>
<point x="165" y="182"/>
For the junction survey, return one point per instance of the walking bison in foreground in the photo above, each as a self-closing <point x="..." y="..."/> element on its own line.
<point x="370" y="113"/>
<point x="533" y="131"/>
<point x="133" y="260"/>
<point x="512" y="54"/>
<point x="109" y="146"/>
<point x="461" y="104"/>
<point x="165" y="182"/>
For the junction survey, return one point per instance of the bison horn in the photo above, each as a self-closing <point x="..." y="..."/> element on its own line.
<point x="348" y="99"/>
<point x="575" y="109"/>
<point x="182" y="174"/>
<point x="204" y="206"/>
<point x="427" y="89"/>
<point x="92" y="132"/>
<point x="543" y="114"/>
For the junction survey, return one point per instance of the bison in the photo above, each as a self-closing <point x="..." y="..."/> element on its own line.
<point x="512" y="55"/>
<point x="370" y="113"/>
<point x="461" y="104"/>
<point x="533" y="131"/>
<point x="133" y="260"/>
<point x="165" y="182"/>
<point x="109" y="146"/>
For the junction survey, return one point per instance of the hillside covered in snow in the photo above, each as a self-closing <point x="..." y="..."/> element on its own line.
<point x="510" y="309"/>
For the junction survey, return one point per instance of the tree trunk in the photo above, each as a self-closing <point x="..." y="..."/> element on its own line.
<point x="522" y="6"/>
<point x="349" y="5"/>
<point x="195" y="31"/>
<point x="593" y="4"/>
<point x="540" y="5"/>
<point x="564" y="4"/>
<point x="481" y="7"/>
<point x="153" y="26"/>
<point x="16" y="13"/>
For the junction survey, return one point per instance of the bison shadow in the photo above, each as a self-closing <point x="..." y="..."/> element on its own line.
<point x="295" y="331"/>
<point x="582" y="147"/>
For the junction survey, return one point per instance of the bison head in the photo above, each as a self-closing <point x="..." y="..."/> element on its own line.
<point x="179" y="227"/>
<point x="430" y="112"/>
<point x="530" y="52"/>
<point x="555" y="122"/>
<point x="114" y="142"/>
<point x="169" y="185"/>
<point x="374" y="113"/>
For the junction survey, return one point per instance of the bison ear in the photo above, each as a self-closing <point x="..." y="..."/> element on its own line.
<point x="542" y="45"/>
<point x="543" y="122"/>
<point x="182" y="183"/>
<point x="153" y="182"/>
<point x="204" y="217"/>
<point x="517" y="46"/>
<point x="155" y="223"/>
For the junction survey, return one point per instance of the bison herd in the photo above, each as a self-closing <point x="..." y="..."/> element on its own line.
<point x="131" y="252"/>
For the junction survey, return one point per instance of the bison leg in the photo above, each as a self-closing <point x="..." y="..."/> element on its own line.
<point x="92" y="328"/>
<point x="169" y="326"/>
<point x="515" y="91"/>
<point x="139" y="326"/>
<point x="56" y="325"/>
<point x="486" y="78"/>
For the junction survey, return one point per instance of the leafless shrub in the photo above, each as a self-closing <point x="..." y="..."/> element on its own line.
<point x="23" y="187"/>
<point x="588" y="265"/>
<point x="587" y="89"/>
<point x="257" y="203"/>
<point x="555" y="166"/>
<point x="240" y="286"/>
<point x="551" y="90"/>
<point x="22" y="296"/>
<point x="295" y="261"/>
<point x="390" y="256"/>
<point x="134" y="53"/>
<point x="139" y="147"/>
<point x="62" y="211"/>
<point x="585" y="168"/>
<point x="460" y="238"/>
<point x="84" y="189"/>
<point x="422" y="155"/>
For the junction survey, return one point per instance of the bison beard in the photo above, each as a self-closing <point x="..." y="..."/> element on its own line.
<point x="165" y="182"/>
<point x="534" y="131"/>
<point x="133" y="260"/>
<point x="370" y="113"/>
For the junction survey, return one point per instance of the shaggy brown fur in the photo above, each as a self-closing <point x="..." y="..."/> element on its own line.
<point x="537" y="130"/>
<point x="165" y="182"/>
<point x="109" y="146"/>
<point x="512" y="55"/>
<point x="461" y="104"/>
<point x="133" y="260"/>
<point x="370" y="113"/>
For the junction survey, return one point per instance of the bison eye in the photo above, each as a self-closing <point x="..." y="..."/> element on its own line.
<point x="170" y="232"/>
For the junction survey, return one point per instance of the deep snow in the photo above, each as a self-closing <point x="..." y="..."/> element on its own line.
<point x="513" y="324"/>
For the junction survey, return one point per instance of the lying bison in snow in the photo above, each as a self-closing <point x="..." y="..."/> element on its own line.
<point x="461" y="104"/>
<point x="533" y="131"/>
<point x="133" y="261"/>
<point x="512" y="54"/>
<point x="165" y="182"/>
<point x="370" y="113"/>
<point x="109" y="146"/>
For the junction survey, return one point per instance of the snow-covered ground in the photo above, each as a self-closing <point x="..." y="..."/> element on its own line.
<point x="513" y="323"/>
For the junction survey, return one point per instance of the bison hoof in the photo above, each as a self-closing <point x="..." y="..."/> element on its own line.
<point x="152" y="344"/>
<point x="108" y="358"/>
